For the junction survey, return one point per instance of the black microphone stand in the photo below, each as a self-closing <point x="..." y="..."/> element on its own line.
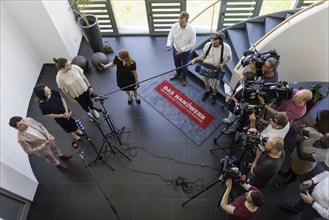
<point x="106" y="141"/>
<point x="80" y="152"/>
<point x="99" y="156"/>
<point x="116" y="133"/>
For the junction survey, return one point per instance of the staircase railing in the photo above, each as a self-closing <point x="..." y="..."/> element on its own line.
<point x="213" y="13"/>
<point x="280" y="25"/>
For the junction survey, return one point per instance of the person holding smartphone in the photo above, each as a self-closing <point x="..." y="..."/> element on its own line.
<point x="318" y="200"/>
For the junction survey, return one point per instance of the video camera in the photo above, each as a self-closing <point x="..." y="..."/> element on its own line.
<point x="270" y="91"/>
<point x="230" y="171"/>
<point x="253" y="56"/>
<point x="242" y="108"/>
<point x="250" y="137"/>
<point x="251" y="140"/>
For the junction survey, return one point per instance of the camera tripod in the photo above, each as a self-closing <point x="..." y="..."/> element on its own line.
<point x="221" y="178"/>
<point x="99" y="156"/>
<point x="240" y="122"/>
<point x="239" y="127"/>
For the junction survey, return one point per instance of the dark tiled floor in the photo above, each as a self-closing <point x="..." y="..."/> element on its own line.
<point x="136" y="189"/>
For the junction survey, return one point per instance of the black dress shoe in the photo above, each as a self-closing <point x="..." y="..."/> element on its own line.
<point x="138" y="101"/>
<point x="173" y="77"/>
<point x="288" y="208"/>
<point x="130" y="101"/>
<point x="213" y="99"/>
<point x="184" y="82"/>
<point x="205" y="95"/>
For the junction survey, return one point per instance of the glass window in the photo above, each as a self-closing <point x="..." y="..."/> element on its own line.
<point x="207" y="21"/>
<point x="130" y="16"/>
<point x="270" y="6"/>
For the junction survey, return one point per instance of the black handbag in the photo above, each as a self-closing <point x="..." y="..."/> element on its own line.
<point x="211" y="72"/>
<point x="208" y="70"/>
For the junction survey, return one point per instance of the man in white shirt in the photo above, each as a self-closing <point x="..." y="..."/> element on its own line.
<point x="182" y="38"/>
<point x="212" y="54"/>
<point x="318" y="200"/>
<point x="277" y="126"/>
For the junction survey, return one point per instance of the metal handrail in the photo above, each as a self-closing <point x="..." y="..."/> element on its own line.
<point x="281" y="24"/>
<point x="211" y="5"/>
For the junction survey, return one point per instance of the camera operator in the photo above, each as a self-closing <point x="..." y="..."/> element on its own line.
<point x="294" y="108"/>
<point x="244" y="206"/>
<point x="217" y="54"/>
<point x="306" y="155"/>
<point x="269" y="72"/>
<point x="319" y="200"/>
<point x="236" y="96"/>
<point x="277" y="126"/>
<point x="266" y="164"/>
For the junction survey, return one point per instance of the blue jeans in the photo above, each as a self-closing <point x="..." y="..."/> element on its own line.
<point x="181" y="60"/>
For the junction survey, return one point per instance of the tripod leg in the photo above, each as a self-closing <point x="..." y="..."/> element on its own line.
<point x="205" y="189"/>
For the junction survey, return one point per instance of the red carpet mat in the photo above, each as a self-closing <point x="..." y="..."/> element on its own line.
<point x="182" y="106"/>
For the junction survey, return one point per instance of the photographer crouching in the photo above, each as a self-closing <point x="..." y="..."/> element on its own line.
<point x="245" y="206"/>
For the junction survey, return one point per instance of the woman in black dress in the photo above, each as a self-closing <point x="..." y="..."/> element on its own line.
<point x="127" y="77"/>
<point x="53" y="105"/>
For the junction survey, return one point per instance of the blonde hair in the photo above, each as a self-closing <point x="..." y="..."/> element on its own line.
<point x="124" y="55"/>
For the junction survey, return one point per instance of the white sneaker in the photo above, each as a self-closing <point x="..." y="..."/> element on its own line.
<point x="79" y="132"/>
<point x="75" y="136"/>
<point x="227" y="120"/>
<point x="95" y="114"/>
<point x="231" y="117"/>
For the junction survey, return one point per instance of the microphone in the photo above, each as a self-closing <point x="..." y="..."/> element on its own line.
<point x="91" y="117"/>
<point x="76" y="147"/>
<point x="97" y="98"/>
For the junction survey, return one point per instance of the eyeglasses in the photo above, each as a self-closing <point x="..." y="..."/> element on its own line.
<point x="273" y="119"/>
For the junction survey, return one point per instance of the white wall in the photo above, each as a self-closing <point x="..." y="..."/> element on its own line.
<point x="303" y="46"/>
<point x="20" y="68"/>
<point x="66" y="26"/>
<point x="49" y="25"/>
<point x="32" y="33"/>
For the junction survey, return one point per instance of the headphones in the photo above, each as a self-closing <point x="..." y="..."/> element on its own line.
<point x="218" y="36"/>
